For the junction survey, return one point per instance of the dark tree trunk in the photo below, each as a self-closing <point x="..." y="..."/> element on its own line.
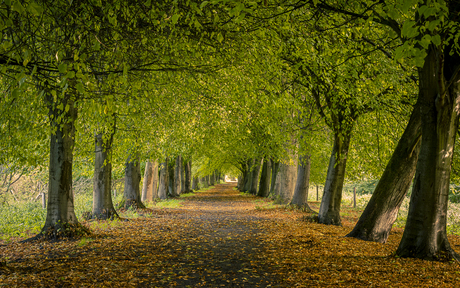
<point x="240" y="182"/>
<point x="172" y="183"/>
<point x="275" y="169"/>
<point x="300" y="197"/>
<point x="182" y="176"/>
<point x="203" y="183"/>
<point x="382" y="210"/>
<point x="177" y="176"/>
<point x="60" y="211"/>
<point x="248" y="178"/>
<point x="264" y="184"/>
<point x="188" y="176"/>
<point x="131" y="192"/>
<point x="208" y="181"/>
<point x="329" y="211"/>
<point x="425" y="233"/>
<point x="102" y="180"/>
<point x="255" y="177"/>
<point x="195" y="183"/>
<point x="164" y="181"/>
<point x="212" y="179"/>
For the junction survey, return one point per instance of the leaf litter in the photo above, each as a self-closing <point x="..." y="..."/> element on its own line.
<point x="220" y="238"/>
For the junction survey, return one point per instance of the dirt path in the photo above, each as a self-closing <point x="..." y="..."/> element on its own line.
<point x="220" y="238"/>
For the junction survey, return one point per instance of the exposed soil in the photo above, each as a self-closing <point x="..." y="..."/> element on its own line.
<point x="220" y="238"/>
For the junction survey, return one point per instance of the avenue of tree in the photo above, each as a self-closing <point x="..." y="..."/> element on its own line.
<point x="281" y="94"/>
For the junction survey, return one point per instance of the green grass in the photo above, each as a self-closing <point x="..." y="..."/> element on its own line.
<point x="21" y="219"/>
<point x="188" y="195"/>
<point x="169" y="203"/>
<point x="83" y="241"/>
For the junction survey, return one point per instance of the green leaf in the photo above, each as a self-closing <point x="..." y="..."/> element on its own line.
<point x="203" y="4"/>
<point x="220" y="38"/>
<point x="80" y="88"/>
<point x="70" y="74"/>
<point x="436" y="39"/>
<point x="17" y="6"/>
<point x="408" y="29"/>
<point x="35" y="9"/>
<point x="62" y="68"/>
<point x="426" y="40"/>
<point x="174" y="18"/>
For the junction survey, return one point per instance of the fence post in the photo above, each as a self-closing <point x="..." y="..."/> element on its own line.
<point x="43" y="200"/>
<point x="354" y="197"/>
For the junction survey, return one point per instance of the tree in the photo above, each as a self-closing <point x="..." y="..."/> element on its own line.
<point x="131" y="192"/>
<point x="102" y="180"/>
<point x="264" y="184"/>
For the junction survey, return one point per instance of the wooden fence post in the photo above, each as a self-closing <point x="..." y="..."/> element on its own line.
<point x="354" y="197"/>
<point x="43" y="200"/>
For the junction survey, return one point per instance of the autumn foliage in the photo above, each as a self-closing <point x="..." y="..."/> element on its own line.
<point x="220" y="238"/>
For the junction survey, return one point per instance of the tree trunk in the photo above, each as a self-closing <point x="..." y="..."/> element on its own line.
<point x="275" y="169"/>
<point x="182" y="176"/>
<point x="240" y="182"/>
<point x="300" y="197"/>
<point x="188" y="174"/>
<point x="177" y="176"/>
<point x="287" y="175"/>
<point x="255" y="177"/>
<point x="425" y="233"/>
<point x="212" y="179"/>
<point x="264" y="184"/>
<point x="164" y="181"/>
<point x="148" y="177"/>
<point x="248" y="180"/>
<point x="131" y="192"/>
<point x="195" y="183"/>
<point x="382" y="210"/>
<point x="151" y="196"/>
<point x="329" y="211"/>
<point x="171" y="177"/>
<point x="207" y="181"/>
<point x="60" y="212"/>
<point x="102" y="180"/>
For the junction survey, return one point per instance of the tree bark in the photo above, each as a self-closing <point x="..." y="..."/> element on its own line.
<point x="264" y="184"/>
<point x="212" y="179"/>
<point x="155" y="180"/>
<point x="195" y="183"/>
<point x="182" y="176"/>
<point x="300" y="197"/>
<point x="329" y="211"/>
<point x="248" y="180"/>
<point x="255" y="177"/>
<point x="382" y="210"/>
<point x="102" y="179"/>
<point x="147" y="184"/>
<point x="287" y="175"/>
<point x="425" y="233"/>
<point x="164" y="181"/>
<point x="171" y="177"/>
<point x="275" y="169"/>
<point x="131" y="192"/>
<point x="60" y="211"/>
<point x="240" y="182"/>
<point x="177" y="176"/>
<point x="188" y="175"/>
